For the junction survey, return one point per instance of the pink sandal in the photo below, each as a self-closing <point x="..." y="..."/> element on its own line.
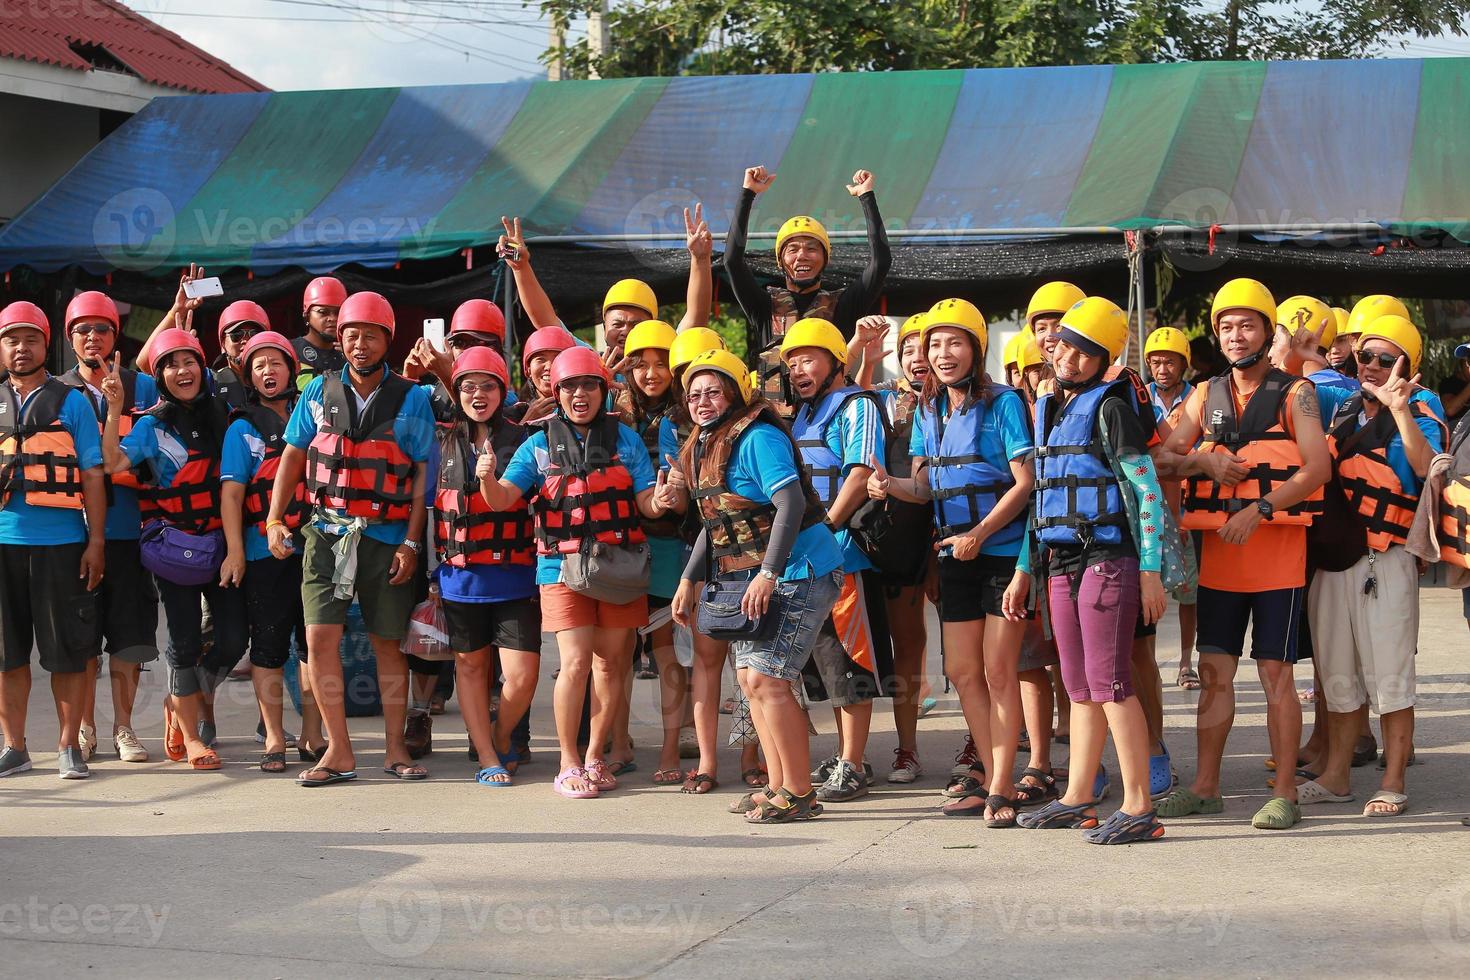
<point x="574" y="772"/>
<point x="599" y="775"/>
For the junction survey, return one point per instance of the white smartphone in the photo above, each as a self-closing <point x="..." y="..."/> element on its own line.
<point x="204" y="288"/>
<point x="434" y="333"/>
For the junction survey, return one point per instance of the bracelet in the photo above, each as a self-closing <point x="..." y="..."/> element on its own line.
<point x="274" y="523"/>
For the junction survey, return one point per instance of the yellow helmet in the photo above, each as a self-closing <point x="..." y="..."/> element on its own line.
<point x="723" y="362"/>
<point x="803" y="225"/>
<point x="1008" y="355"/>
<point x="959" y="313"/>
<point x="1243" y="294"/>
<point x="1309" y="312"/>
<point x="631" y="292"/>
<point x="1054" y="297"/>
<point x="688" y="343"/>
<point x="1339" y="326"/>
<point x="1400" y="332"/>
<point x="1100" y="322"/>
<point x="649" y="335"/>
<point x="1370" y="308"/>
<point x="1028" y="351"/>
<point x="1167" y="340"/>
<point x="913" y="325"/>
<point x="815" y="332"/>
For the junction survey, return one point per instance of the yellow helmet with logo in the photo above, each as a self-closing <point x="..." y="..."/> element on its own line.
<point x="1098" y="321"/>
<point x="815" y="332"/>
<point x="1243" y="294"/>
<point x="1053" y="298"/>
<point x="721" y="362"/>
<point x="962" y="314"/>
<point x="1028" y="351"/>
<point x="913" y="325"/>
<point x="1167" y="340"/>
<point x="649" y="335"/>
<point x="1400" y="332"/>
<point x="803" y="224"/>
<point x="631" y="292"/>
<point x="1370" y="308"/>
<point x="690" y="342"/>
<point x="1307" y="313"/>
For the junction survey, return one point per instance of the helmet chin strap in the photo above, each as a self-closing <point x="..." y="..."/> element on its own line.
<point x="91" y="363"/>
<point x="1251" y="360"/>
<point x="368" y="371"/>
<point x="26" y="374"/>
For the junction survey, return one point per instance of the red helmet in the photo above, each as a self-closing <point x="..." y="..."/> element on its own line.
<point x="553" y="339"/>
<point x="261" y="341"/>
<point x="323" y="291"/>
<point x="367" y="307"/>
<point x="171" y="341"/>
<point x="23" y="314"/>
<point x="242" y="311"/>
<point x="91" y="303"/>
<point x="481" y="360"/>
<point x="478" y="316"/>
<point x="577" y="362"/>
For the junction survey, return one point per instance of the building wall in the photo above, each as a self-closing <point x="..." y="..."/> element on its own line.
<point x="40" y="140"/>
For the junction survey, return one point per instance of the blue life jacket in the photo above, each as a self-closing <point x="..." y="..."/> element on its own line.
<point x="1078" y="501"/>
<point x="809" y="429"/>
<point x="964" y="485"/>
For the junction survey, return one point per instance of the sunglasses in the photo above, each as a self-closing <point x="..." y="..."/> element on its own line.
<point x="1385" y="361"/>
<point x="462" y="341"/>
<point x="83" y="329"/>
<point x="578" y="385"/>
<point x="241" y="333"/>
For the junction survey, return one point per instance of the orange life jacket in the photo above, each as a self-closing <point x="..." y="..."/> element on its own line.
<point x="1262" y="438"/>
<point x="272" y="429"/>
<point x="192" y="500"/>
<point x="355" y="465"/>
<point x="1368" y="481"/>
<point x="38" y="457"/>
<point x="1454" y="503"/>
<point x="586" y="490"/>
<point x="74" y="379"/>
<point x="467" y="531"/>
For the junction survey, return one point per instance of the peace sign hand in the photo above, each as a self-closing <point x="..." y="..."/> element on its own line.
<point x="112" y="387"/>
<point x="512" y="247"/>
<point x="696" y="233"/>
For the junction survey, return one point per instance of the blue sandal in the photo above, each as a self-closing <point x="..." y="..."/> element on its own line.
<point x="1125" y="828"/>
<point x="1160" y="773"/>
<point x="1057" y="815"/>
<point x="484" y="776"/>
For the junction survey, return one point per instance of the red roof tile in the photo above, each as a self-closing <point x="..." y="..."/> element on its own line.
<point x="44" y="32"/>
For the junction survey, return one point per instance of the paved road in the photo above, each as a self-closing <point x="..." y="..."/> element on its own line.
<point x="153" y="869"/>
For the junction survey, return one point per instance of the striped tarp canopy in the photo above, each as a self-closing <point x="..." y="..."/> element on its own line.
<point x="376" y="176"/>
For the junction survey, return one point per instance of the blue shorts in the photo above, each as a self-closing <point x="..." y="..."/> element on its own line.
<point x="1274" y="617"/>
<point x="802" y="606"/>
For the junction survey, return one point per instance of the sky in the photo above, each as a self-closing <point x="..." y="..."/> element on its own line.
<point x="312" y="44"/>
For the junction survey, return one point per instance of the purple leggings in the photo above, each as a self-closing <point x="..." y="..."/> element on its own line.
<point x="1094" y="632"/>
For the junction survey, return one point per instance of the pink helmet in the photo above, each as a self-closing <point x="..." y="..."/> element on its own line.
<point x="323" y="291"/>
<point x="367" y="307"/>
<point x="171" y="341"/>
<point x="23" y="314"/>
<point x="552" y="339"/>
<point x="242" y="311"/>
<point x="481" y="360"/>
<point x="478" y="316"/>
<point x="577" y="362"/>
<point x="94" y="304"/>
<point x="261" y="341"/>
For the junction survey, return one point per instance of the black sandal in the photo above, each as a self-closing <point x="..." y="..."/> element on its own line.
<point x="971" y="783"/>
<point x="309" y="754"/>
<point x="747" y="802"/>
<point x="995" y="803"/>
<point x="273" y="762"/>
<point x="699" y="784"/>
<point x="1028" y="794"/>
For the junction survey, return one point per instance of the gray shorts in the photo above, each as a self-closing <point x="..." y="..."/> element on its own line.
<point x="1037" y="652"/>
<point x="803" y="606"/>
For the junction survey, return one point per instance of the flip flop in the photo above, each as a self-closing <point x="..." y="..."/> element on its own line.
<point x="273" y="762"/>
<point x="620" y="768"/>
<point x="206" y="761"/>
<point x="173" y="737"/>
<point x="401" y="770"/>
<point x="758" y="774"/>
<point x="1398" y="801"/>
<point x="699" y="783"/>
<point x="1188" y="679"/>
<point x="483" y="777"/>
<point x="333" y="776"/>
<point x="600" y="776"/>
<point x="570" y="773"/>
<point x="668" y="777"/>
<point x="1314" y="792"/>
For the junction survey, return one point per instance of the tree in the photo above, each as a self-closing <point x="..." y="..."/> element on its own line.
<point x="709" y="37"/>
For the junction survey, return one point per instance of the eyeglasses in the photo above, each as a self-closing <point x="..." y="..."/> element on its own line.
<point x="578" y="385"/>
<point x="704" y="395"/>
<point x="238" y="334"/>
<point x="1385" y="361"/>
<point x="464" y="341"/>
<point x="100" y="329"/>
<point x="478" y="387"/>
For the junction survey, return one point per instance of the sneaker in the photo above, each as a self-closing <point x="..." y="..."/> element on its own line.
<point x="1101" y="786"/>
<point x="965" y="760"/>
<point x="87" y="742"/>
<point x="72" y="765"/>
<point x="845" y="783"/>
<point x="906" y="767"/>
<point x="129" y="748"/>
<point x="824" y="769"/>
<point x="418" y="735"/>
<point x="13" y="761"/>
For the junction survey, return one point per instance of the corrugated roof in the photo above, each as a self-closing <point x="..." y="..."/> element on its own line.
<point x="31" y="30"/>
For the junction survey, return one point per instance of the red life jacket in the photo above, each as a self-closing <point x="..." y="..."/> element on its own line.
<point x="272" y="429"/>
<point x="467" y="531"/>
<point x="38" y="457"/>
<point x="355" y="465"/>
<point x="1372" y="488"/>
<point x="586" y="490"/>
<point x="192" y="500"/>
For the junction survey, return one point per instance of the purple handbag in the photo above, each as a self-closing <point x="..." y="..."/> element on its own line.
<point x="177" y="556"/>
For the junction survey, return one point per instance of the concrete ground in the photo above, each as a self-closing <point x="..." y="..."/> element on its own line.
<point x="151" y="870"/>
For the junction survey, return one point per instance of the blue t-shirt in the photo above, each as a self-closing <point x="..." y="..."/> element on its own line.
<point x="762" y="462"/>
<point x="413" y="427"/>
<point x="26" y="524"/>
<point x="1398" y="460"/>
<point x="855" y="436"/>
<point x="1005" y="435"/>
<point x="478" y="583"/>
<point x="1333" y="391"/>
<point x="1160" y="413"/>
<point x="240" y="459"/>
<point x="123" y="519"/>
<point x="527" y="471"/>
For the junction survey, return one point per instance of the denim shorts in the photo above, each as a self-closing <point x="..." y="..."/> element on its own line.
<point x="801" y="606"/>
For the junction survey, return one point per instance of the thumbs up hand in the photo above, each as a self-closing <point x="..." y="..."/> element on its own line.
<point x="485" y="465"/>
<point x="878" y="480"/>
<point x="676" y="478"/>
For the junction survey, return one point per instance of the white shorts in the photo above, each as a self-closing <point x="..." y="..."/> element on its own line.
<point x="1364" y="643"/>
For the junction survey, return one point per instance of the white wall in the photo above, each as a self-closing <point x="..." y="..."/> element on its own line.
<point x="39" y="142"/>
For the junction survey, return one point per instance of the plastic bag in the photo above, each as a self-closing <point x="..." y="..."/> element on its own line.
<point x="428" y="634"/>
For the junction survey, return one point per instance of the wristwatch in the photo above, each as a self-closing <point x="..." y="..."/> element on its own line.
<point x="411" y="545"/>
<point x="1264" y="506"/>
<point x="768" y="575"/>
